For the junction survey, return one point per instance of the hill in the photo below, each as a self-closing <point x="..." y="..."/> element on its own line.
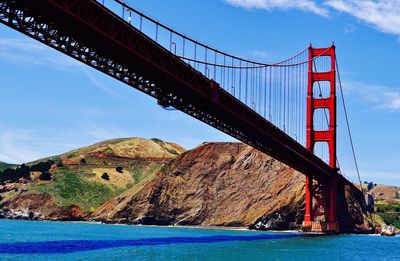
<point x="222" y="184"/>
<point x="140" y="181"/>
<point x="384" y="192"/>
<point x="4" y="166"/>
<point x="215" y="184"/>
<point x="83" y="179"/>
<point x="387" y="203"/>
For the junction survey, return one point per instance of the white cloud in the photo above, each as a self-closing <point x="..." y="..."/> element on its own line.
<point x="384" y="97"/>
<point x="260" y="55"/>
<point x="97" y="82"/>
<point x="349" y="28"/>
<point x="304" y="5"/>
<point x="21" y="145"/>
<point x="379" y="177"/>
<point x="22" y="44"/>
<point x="14" y="148"/>
<point x="384" y="15"/>
<point x="29" y="51"/>
<point x="96" y="132"/>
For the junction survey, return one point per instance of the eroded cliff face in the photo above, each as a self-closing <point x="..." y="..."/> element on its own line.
<point x="39" y="207"/>
<point x="216" y="184"/>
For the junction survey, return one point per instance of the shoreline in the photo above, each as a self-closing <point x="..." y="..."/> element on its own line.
<point x="214" y="228"/>
<point x="243" y="229"/>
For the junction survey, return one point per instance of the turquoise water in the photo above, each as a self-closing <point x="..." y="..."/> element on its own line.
<point x="28" y="240"/>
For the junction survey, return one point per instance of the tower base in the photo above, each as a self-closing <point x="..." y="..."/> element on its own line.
<point x="321" y="227"/>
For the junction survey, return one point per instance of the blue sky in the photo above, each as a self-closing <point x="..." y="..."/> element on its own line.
<point x="51" y="104"/>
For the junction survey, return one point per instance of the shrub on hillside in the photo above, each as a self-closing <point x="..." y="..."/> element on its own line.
<point x="157" y="140"/>
<point x="45" y="176"/>
<point x="105" y="176"/>
<point x="23" y="171"/>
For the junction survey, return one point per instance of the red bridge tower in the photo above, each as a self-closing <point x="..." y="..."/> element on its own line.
<point x="321" y="215"/>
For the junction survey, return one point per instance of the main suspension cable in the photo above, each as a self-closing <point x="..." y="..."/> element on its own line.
<point x="185" y="38"/>
<point x="348" y="126"/>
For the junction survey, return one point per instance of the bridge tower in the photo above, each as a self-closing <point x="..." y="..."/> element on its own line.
<point x="321" y="215"/>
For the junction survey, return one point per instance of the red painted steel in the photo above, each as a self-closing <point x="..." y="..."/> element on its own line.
<point x="327" y="190"/>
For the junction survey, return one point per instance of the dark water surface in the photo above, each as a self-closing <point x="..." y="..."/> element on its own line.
<point x="27" y="240"/>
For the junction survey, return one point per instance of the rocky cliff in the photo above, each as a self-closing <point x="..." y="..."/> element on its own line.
<point x="156" y="183"/>
<point x="221" y="184"/>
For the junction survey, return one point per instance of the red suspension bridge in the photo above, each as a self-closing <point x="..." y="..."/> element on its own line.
<point x="286" y="109"/>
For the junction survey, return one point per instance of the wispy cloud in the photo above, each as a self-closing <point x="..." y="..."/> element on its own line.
<point x="259" y="54"/>
<point x="383" y="97"/>
<point x="98" y="84"/>
<point x="384" y="15"/>
<point x="14" y="146"/>
<point x="350" y="28"/>
<point x="22" y="44"/>
<point x="382" y="175"/>
<point x="96" y="131"/>
<point x="19" y="145"/>
<point x="304" y="5"/>
<point x="28" y="51"/>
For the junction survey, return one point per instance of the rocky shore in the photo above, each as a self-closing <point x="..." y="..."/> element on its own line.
<point x="213" y="185"/>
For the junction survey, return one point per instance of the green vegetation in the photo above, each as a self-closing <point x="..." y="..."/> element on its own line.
<point x="23" y="171"/>
<point x="70" y="188"/>
<point x="52" y="158"/>
<point x="389" y="210"/>
<point x="166" y="167"/>
<point x="137" y="174"/>
<point x="72" y="155"/>
<point x="109" y="150"/>
<point x="375" y="219"/>
<point x="4" y="166"/>
<point x="142" y="172"/>
<point x="156" y="140"/>
<point x="172" y="151"/>
<point x="82" y="177"/>
<point x="161" y="143"/>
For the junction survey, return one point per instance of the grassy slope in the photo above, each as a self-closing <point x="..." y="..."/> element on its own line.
<point x="81" y="183"/>
<point x="69" y="188"/>
<point x="124" y="147"/>
<point x="389" y="210"/>
<point x="4" y="166"/>
<point x="387" y="203"/>
<point x="81" y="186"/>
<point x="131" y="148"/>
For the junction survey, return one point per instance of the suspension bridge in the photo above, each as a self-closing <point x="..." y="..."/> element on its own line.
<point x="287" y="109"/>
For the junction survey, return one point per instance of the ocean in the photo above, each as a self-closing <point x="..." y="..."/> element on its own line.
<point x="45" y="240"/>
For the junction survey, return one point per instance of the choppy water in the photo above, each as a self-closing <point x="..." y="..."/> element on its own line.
<point x="27" y="240"/>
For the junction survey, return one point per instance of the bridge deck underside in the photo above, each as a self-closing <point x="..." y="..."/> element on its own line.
<point x="88" y="32"/>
